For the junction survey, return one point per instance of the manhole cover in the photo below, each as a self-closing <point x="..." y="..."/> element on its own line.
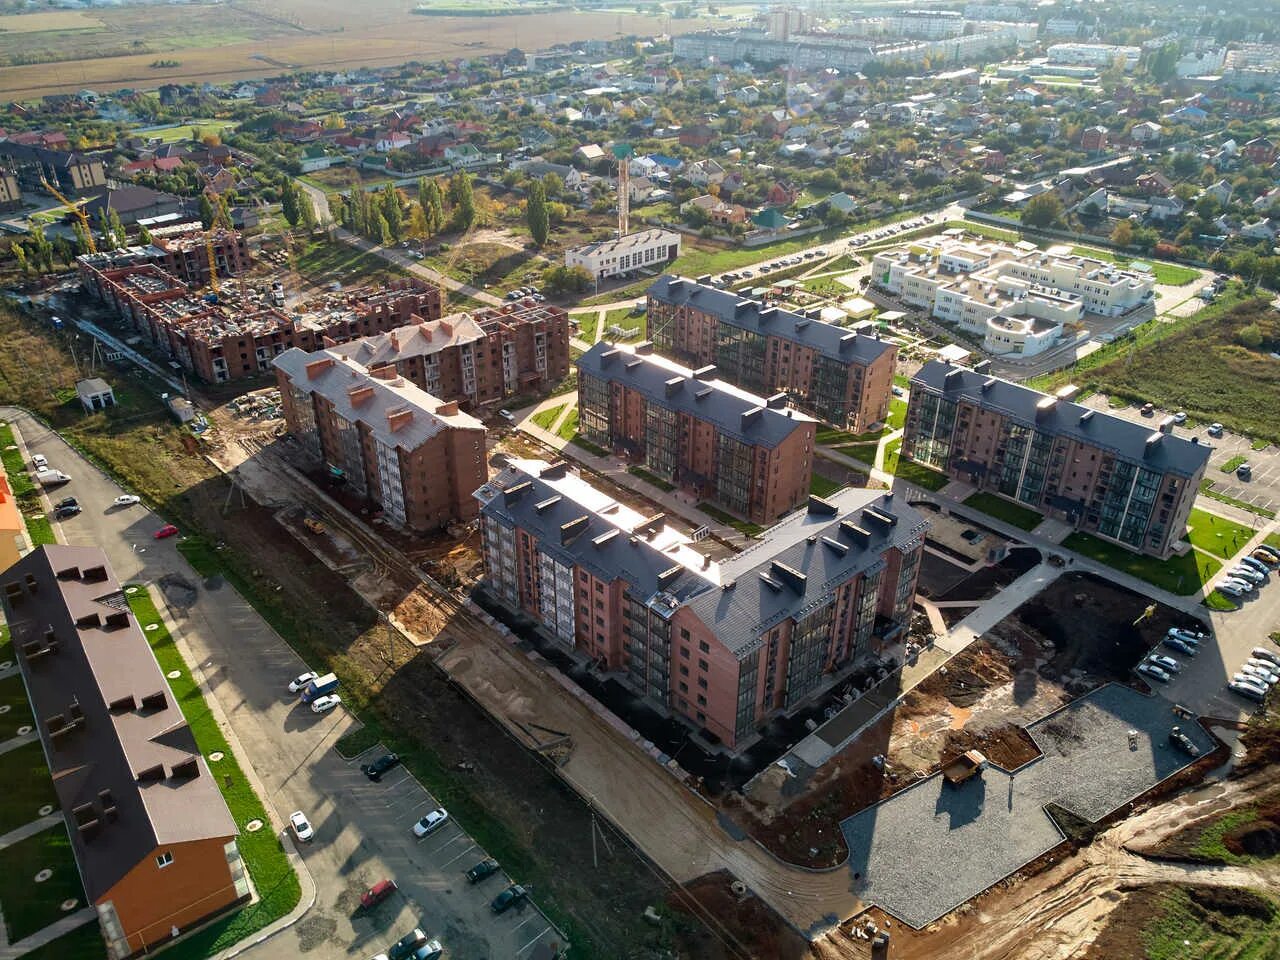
<point x="152" y="626"/>
<point x="5" y="664"/>
<point x="44" y="875"/>
<point x="69" y="905"/>
<point x="253" y="826"/>
<point x="174" y="674"/>
<point x="5" y="708"/>
<point x="216" y="756"/>
<point x="24" y="730"/>
<point x="46" y="810"/>
<point x="130" y="589"/>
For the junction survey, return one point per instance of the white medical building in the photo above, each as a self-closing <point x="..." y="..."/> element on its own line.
<point x="635" y="251"/>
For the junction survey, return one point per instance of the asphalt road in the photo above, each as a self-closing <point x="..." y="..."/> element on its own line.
<point x="363" y="830"/>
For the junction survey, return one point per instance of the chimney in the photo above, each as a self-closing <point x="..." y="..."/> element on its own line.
<point x="1045" y="406"/>
<point x="446" y="328"/>
<point x="669" y="576"/>
<point x="515" y="492"/>
<point x="743" y="307"/>
<point x="359" y="395"/>
<point x="705" y="279"/>
<point x="317" y="367"/>
<point x="608" y="356"/>
<point x="707" y="372"/>
<point x="399" y="418"/>
<point x="425" y="330"/>
<point x="988" y="383"/>
<point x="776" y="402"/>
<point x="672" y="386"/>
<point x="751" y="417"/>
<point x="448" y="409"/>
<point x="385" y="372"/>
<point x="982" y="366"/>
<point x="573" y="528"/>
<point x="643" y="348"/>
<point x="953" y="379"/>
<point x="1152" y="445"/>
<point x="1166" y="425"/>
<point x="861" y="538"/>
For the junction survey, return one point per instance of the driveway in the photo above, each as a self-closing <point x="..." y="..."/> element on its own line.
<point x="362" y="829"/>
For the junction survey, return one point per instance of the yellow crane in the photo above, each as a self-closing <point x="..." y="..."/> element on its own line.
<point x="220" y="221"/>
<point x="75" y="209"/>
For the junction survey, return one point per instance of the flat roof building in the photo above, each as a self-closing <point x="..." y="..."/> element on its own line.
<point x="830" y="372"/>
<point x="1106" y="475"/>
<point x="152" y="836"/>
<point x="635" y="251"/>
<point x="749" y="454"/>
<point x="417" y="457"/>
<point x="724" y="645"/>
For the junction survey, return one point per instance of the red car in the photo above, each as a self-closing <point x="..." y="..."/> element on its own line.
<point x="168" y="530"/>
<point x="377" y="893"/>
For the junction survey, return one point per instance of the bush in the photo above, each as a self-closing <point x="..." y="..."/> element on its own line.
<point x="1249" y="336"/>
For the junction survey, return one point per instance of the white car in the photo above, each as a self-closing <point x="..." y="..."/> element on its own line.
<point x="1247" y="573"/>
<point x="301" y="825"/>
<point x="300" y="681"/>
<point x="1167" y="664"/>
<point x="1262" y="653"/>
<point x="126" y="500"/>
<point x="1249" y="680"/>
<point x="1190" y="636"/>
<point x="1247" y="690"/>
<point x="1241" y="584"/>
<point x="326" y="703"/>
<point x="1154" y="672"/>
<point x="1226" y="589"/>
<point x="40" y="461"/>
<point x="1262" y="673"/>
<point x="432" y="822"/>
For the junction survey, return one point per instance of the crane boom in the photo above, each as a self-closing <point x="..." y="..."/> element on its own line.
<point x="75" y="209"/>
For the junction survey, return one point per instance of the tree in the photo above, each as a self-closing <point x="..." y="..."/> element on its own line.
<point x="41" y="249"/>
<point x="308" y="211"/>
<point x="1042" y="211"/>
<point x="552" y="185"/>
<point x="117" y="229"/>
<point x="104" y="229"/>
<point x="536" y="214"/>
<point x="1249" y="336"/>
<point x="416" y="228"/>
<point x="1122" y="235"/>
<point x="464" y="201"/>
<point x="1163" y="63"/>
<point x="144" y="236"/>
<point x="391" y="211"/>
<point x="289" y="203"/>
<point x="383" y="230"/>
<point x="560" y="278"/>
<point x="433" y="208"/>
<point x="1246" y="265"/>
<point x="20" y="255"/>
<point x="206" y="211"/>
<point x="334" y="121"/>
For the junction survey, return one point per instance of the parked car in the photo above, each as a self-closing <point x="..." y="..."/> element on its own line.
<point x="507" y="415"/>
<point x="1252" y="679"/>
<point x="508" y="898"/>
<point x="1253" y="563"/>
<point x="1241" y="584"/>
<point x="325" y="703"/>
<point x="1241" y="572"/>
<point x="1183" y="742"/>
<point x="377" y="893"/>
<point x="301" y="825"/>
<point x="1244" y="472"/>
<point x="1173" y="643"/>
<point x="168" y="530"/>
<point x="403" y="948"/>
<point x="1167" y="664"/>
<point x="300" y="681"/>
<point x="63" y="513"/>
<point x="126" y="500"/>
<point x="432" y="822"/>
<point x="40" y="462"/>
<point x="375" y="770"/>
<point x="1263" y="558"/>
<point x="1154" y="672"/>
<point x="1179" y="417"/>
<point x="66" y="502"/>
<point x="1229" y="590"/>
<point x="1148" y="409"/>
<point x="1262" y="653"/>
<point x="482" y="870"/>
<point x="1188" y="635"/>
<point x="1214" y="430"/>
<point x="1265" y="669"/>
<point x="1270" y="551"/>
<point x="1247" y="691"/>
<point x="431" y="950"/>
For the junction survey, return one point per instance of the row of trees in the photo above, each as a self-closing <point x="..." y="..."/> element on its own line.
<point x="386" y="216"/>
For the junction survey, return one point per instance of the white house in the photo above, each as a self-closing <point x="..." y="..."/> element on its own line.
<point x="635" y="251"/>
<point x="704" y="172"/>
<point x="392" y="141"/>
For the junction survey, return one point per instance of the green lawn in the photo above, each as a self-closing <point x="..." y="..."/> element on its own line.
<point x="182" y="131"/>
<point x="28" y="786"/>
<point x="745" y="527"/>
<point x="916" y="473"/>
<point x="866" y="452"/>
<point x="1229" y="466"/>
<point x="569" y="429"/>
<point x="590" y="447"/>
<point x="832" y="437"/>
<point x="652" y="478"/>
<point x="39" y="529"/>
<point x="13" y="695"/>
<point x="82" y="943"/>
<point x="1167" y="274"/>
<point x="897" y="418"/>
<point x="19" y="480"/>
<point x="29" y="906"/>
<point x="1217" y="535"/>
<point x="545" y="418"/>
<point x="1217" y="601"/>
<point x="1181" y="575"/>
<point x="628" y="320"/>
<point x="1184" y="928"/>
<point x="276" y="883"/>
<point x="1024" y="518"/>
<point x="820" y="486"/>
<point x="587" y="324"/>
<point x="322" y="263"/>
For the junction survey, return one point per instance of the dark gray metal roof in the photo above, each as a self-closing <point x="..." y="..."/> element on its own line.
<point x="1135" y="442"/>
<point x="735" y="412"/>
<point x="838" y="343"/>
<point x="802" y="560"/>
<point x="121" y="730"/>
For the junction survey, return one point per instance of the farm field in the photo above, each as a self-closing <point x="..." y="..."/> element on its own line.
<point x="220" y="42"/>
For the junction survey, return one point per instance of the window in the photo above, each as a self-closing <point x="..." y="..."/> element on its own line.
<point x="704" y="646"/>
<point x="702" y="682"/>
<point x="684" y="671"/>
<point x="684" y="653"/>
<point x="702" y="701"/>
<point x="164" y="859"/>
<point x="702" y="665"/>
<point x="684" y="633"/>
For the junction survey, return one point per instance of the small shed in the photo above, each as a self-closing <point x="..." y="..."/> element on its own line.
<point x="858" y="308"/>
<point x="953" y="353"/>
<point x="95" y="394"/>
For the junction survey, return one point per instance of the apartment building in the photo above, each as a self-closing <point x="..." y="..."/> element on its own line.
<point x="236" y="335"/>
<point x="185" y="255"/>
<point x="153" y="839"/>
<point x="1016" y="297"/>
<point x="476" y="358"/>
<point x="830" y="372"/>
<point x="416" y="457"/>
<point x="751" y="455"/>
<point x="10" y="191"/>
<point x="13" y="530"/>
<point x="724" y="645"/>
<point x="71" y="172"/>
<point x="610" y="258"/>
<point x="1094" y="54"/>
<point x="1116" y="479"/>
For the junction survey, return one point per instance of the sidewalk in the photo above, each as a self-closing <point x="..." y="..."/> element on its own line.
<point x="30" y="829"/>
<point x="50" y="933"/>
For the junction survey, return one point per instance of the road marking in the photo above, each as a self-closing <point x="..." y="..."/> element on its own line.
<point x="362" y="753"/>
<point x="540" y="935"/>
<point x="459" y="856"/>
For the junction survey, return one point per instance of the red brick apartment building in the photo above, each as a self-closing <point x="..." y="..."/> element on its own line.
<point x="840" y="377"/>
<point x="152" y="836"/>
<point x="1123" y="481"/>
<point x="420" y="459"/>
<point x="749" y="454"/>
<point x="186" y="255"/>
<point x="475" y="358"/>
<point x="725" y="645"/>
<point x="233" y="337"/>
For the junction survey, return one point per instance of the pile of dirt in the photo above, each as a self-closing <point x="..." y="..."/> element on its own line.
<point x="966" y="677"/>
<point x="1214" y="902"/>
<point x="1258" y="838"/>
<point x="1007" y="746"/>
<point x="738" y="923"/>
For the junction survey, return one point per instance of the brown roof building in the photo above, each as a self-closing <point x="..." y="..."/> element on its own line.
<point x="475" y="358"/>
<point x="750" y="454"/>
<point x="415" y="456"/>
<point x="830" y="372"/>
<point x="152" y="836"/>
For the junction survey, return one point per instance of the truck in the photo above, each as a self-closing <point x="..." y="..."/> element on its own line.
<point x="964" y="767"/>
<point x="319" y="687"/>
<point x="49" y="477"/>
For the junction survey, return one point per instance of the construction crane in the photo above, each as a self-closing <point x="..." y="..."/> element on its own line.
<point x="219" y="222"/>
<point x="75" y="209"/>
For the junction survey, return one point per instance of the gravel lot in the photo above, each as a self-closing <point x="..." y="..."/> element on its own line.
<point x="927" y="850"/>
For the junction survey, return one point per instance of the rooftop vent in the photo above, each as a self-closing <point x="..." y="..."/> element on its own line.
<point x="672" y="386"/>
<point x="792" y="577"/>
<point x="982" y="366"/>
<point x="643" y="348"/>
<point x="542" y="505"/>
<point x="555" y="471"/>
<point x="516" y="491"/>
<point x="155" y="701"/>
<point x="605" y="537"/>
<point x="819" y="506"/>
<point x="751" y="417"/>
<point x="953" y="379"/>
<point x="669" y="576"/>
<point x="705" y="373"/>
<point x="187" y="769"/>
<point x="836" y="545"/>
<point x="1069" y="392"/>
<point x="885" y="521"/>
<point x="608" y="356"/>
<point x="573" y="528"/>
<point x="1045" y="406"/>
<point x="861" y="538"/>
<point x="1153" y="444"/>
<point x="702" y="393"/>
<point x="1085" y="417"/>
<point x="988" y="384"/>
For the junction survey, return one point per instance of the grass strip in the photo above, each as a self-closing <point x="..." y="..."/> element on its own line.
<point x="545" y="418"/>
<point x="1230" y="465"/>
<point x="1183" y="575"/>
<point x="1021" y="517"/>
<point x="1206" y="490"/>
<point x="652" y="478"/>
<point x="28" y="906"/>
<point x="28" y="786"/>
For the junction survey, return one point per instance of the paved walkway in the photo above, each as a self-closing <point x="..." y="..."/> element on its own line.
<point x="50" y="933"/>
<point x="30" y="829"/>
<point x="405" y="262"/>
<point x="21" y="740"/>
